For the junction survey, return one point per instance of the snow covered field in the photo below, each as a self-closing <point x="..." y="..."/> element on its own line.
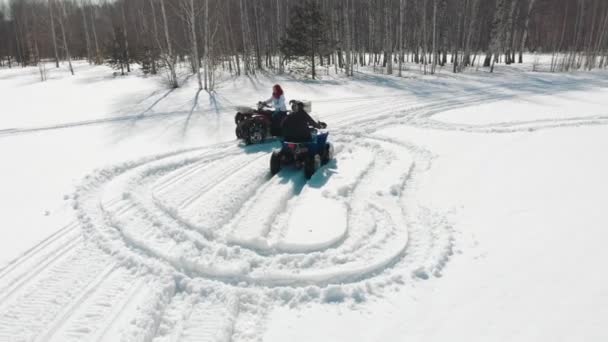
<point x="465" y="207"/>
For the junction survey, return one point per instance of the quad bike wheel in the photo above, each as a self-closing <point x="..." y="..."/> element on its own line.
<point x="275" y="163"/>
<point x="311" y="164"/>
<point x="238" y="118"/>
<point x="257" y="133"/>
<point x="242" y="129"/>
<point x="327" y="154"/>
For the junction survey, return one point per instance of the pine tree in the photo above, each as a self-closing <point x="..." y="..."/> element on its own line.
<point x="306" y="34"/>
<point x="146" y="60"/>
<point x="117" y="58"/>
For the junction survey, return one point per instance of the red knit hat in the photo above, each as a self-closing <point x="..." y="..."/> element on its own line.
<point x="277" y="91"/>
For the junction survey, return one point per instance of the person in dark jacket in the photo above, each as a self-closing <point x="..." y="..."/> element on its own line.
<point x="296" y="126"/>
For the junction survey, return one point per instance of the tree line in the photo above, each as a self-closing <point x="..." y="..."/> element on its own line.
<point x="244" y="37"/>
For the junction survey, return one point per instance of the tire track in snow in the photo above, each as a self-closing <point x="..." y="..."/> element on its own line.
<point x="24" y="270"/>
<point x="60" y="319"/>
<point x="283" y="265"/>
<point x="278" y="272"/>
<point x="514" y="127"/>
<point x="175" y="181"/>
<point x="198" y="319"/>
<point x="57" y="287"/>
<point x="21" y="280"/>
<point x="264" y="272"/>
<point x="94" y="313"/>
<point x="35" y="251"/>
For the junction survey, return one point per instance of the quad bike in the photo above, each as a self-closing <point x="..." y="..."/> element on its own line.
<point x="253" y="125"/>
<point x="308" y="155"/>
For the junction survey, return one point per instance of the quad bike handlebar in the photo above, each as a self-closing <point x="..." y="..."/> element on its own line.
<point x="262" y="105"/>
<point x="320" y="125"/>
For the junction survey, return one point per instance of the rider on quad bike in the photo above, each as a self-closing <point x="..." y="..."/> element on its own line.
<point x="277" y="100"/>
<point x="303" y="145"/>
<point x="296" y="126"/>
<point x="253" y="125"/>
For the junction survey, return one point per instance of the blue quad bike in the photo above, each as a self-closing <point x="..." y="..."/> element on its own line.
<point x="309" y="155"/>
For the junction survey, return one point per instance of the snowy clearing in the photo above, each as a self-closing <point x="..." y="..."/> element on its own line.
<point x="463" y="207"/>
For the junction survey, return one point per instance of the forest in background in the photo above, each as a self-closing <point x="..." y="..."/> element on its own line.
<point x="244" y="37"/>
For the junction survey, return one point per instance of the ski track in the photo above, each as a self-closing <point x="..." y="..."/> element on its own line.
<point x="199" y="244"/>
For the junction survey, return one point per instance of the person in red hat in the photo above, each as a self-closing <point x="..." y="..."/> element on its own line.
<point x="277" y="100"/>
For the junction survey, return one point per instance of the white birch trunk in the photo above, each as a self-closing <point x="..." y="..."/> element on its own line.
<point x="170" y="57"/>
<point x="94" y="29"/>
<point x="68" y="57"/>
<point x="401" y="27"/>
<point x="86" y="32"/>
<point x="525" y="32"/>
<point x="125" y="37"/>
<point x="195" y="58"/>
<point x="53" y="35"/>
<point x="434" y="53"/>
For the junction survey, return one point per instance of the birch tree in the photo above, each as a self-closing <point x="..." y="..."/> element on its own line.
<point x="53" y="35"/>
<point x="169" y="57"/>
<point x="524" y="35"/>
<point x="66" y="48"/>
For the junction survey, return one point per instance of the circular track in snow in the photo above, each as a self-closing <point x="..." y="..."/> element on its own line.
<point x="216" y="214"/>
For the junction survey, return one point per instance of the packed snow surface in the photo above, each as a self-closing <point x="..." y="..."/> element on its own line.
<point x="466" y="207"/>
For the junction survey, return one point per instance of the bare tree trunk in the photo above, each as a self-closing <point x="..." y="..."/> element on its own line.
<point x="349" y="67"/>
<point x="524" y="36"/>
<point x="601" y="39"/>
<point x="555" y="57"/>
<point x="496" y="32"/>
<point x="457" y="65"/>
<point x="191" y="12"/>
<point x="170" y="57"/>
<point x="508" y="28"/>
<point x="126" y="40"/>
<point x="207" y="46"/>
<point x="35" y="50"/>
<point x="278" y="17"/>
<point x="424" y="38"/>
<point x="258" y="49"/>
<point x="86" y="32"/>
<point x="400" y="30"/>
<point x="388" y="45"/>
<point x="156" y="39"/>
<point x="68" y="57"/>
<point x="233" y="45"/>
<point x="98" y="56"/>
<point x="18" y="43"/>
<point x="434" y="35"/>
<point x="471" y="29"/>
<point x="245" y="30"/>
<point x="53" y="35"/>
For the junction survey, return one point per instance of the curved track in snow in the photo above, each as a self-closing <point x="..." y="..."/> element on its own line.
<point x="198" y="244"/>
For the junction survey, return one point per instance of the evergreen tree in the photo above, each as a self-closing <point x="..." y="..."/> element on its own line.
<point x="147" y="59"/>
<point x="118" y="57"/>
<point x="307" y="33"/>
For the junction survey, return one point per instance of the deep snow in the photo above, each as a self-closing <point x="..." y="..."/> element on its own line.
<point x="459" y="207"/>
